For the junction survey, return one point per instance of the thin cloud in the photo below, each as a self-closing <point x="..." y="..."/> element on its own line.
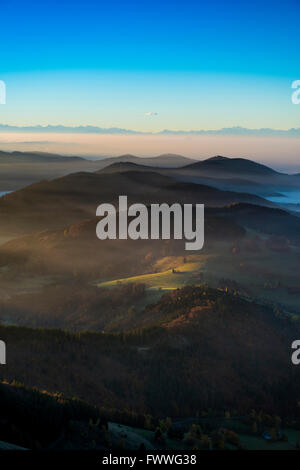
<point x="151" y="113"/>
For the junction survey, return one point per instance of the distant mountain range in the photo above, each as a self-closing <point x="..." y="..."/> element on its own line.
<point x="164" y="161"/>
<point x="167" y="160"/>
<point x="239" y="166"/>
<point x="36" y="157"/>
<point x="236" y="130"/>
<point x="19" y="169"/>
<point x="234" y="174"/>
<point x="65" y="200"/>
<point x="238" y="174"/>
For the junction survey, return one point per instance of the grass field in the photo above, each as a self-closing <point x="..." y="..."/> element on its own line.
<point x="265" y="275"/>
<point x="185" y="273"/>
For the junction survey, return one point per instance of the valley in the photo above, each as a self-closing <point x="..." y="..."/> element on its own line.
<point x="144" y="325"/>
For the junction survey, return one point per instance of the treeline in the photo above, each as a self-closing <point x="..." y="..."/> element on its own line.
<point x="197" y="348"/>
<point x="37" y="419"/>
<point x="34" y="419"/>
<point x="73" y="305"/>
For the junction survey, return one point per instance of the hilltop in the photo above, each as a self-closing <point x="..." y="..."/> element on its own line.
<point x="222" y="166"/>
<point x="69" y="199"/>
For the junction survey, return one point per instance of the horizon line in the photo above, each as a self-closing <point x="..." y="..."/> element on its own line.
<point x="90" y="129"/>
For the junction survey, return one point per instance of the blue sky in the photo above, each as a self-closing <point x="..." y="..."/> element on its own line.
<point x="197" y="65"/>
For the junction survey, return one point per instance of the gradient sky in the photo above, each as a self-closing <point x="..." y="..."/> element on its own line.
<point x="198" y="65"/>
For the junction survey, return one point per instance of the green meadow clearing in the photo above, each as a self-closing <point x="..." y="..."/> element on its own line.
<point x="174" y="272"/>
<point x="264" y="275"/>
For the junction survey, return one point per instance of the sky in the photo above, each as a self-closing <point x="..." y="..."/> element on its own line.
<point x="150" y="65"/>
